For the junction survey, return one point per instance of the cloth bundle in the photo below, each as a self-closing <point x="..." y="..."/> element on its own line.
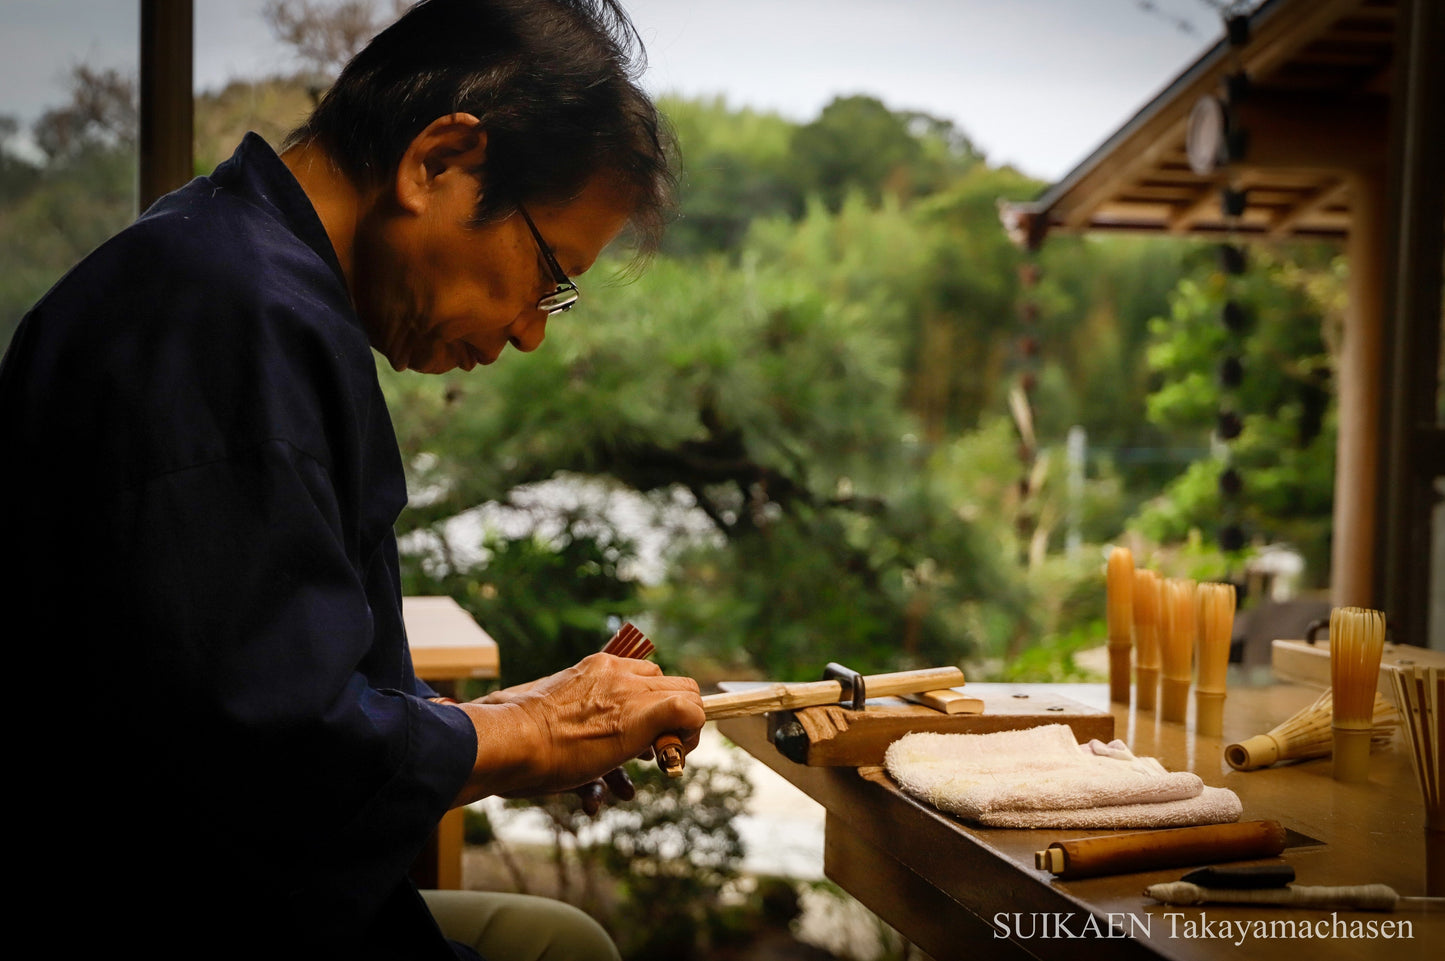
<point x="1042" y="778"/>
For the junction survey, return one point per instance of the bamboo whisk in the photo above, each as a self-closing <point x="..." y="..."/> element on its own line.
<point x="1420" y="694"/>
<point x="1357" y="639"/>
<point x="1306" y="734"/>
<point x="1146" y="637"/>
<point x="1216" y="627"/>
<point x="1120" y="610"/>
<point x="1179" y="598"/>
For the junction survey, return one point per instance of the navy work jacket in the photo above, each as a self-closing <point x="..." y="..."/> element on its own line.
<point x="223" y="747"/>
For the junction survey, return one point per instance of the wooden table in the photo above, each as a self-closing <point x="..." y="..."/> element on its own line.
<point x="447" y="646"/>
<point x="959" y="891"/>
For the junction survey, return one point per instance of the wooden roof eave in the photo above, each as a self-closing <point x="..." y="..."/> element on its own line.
<point x="1278" y="28"/>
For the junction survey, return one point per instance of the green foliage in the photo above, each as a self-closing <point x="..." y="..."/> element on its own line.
<point x="547" y="601"/>
<point x="858" y="145"/>
<point x="1285" y="453"/>
<point x="1052" y="660"/>
<point x="56" y="210"/>
<point x="477" y="828"/>
<point x="735" y="169"/>
<point x="674" y="855"/>
<point x="677" y="850"/>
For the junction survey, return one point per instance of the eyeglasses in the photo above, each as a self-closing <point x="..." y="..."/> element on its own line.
<point x="566" y="293"/>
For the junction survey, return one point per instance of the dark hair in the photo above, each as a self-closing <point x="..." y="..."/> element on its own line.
<point x="552" y="81"/>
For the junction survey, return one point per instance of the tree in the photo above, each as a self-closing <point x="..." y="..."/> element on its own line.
<point x="56" y="211"/>
<point x="1284" y="453"/>
<point x="326" y="35"/>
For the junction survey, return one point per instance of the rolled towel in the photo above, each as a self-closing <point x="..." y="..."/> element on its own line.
<point x="1036" y="777"/>
<point x="1213" y="805"/>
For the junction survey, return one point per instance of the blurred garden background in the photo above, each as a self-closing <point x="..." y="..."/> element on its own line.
<point x="839" y="417"/>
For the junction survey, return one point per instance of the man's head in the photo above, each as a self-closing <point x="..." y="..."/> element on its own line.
<point x="463" y="114"/>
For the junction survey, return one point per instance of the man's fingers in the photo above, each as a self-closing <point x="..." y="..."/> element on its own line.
<point x="591" y="794"/>
<point x="620" y="784"/>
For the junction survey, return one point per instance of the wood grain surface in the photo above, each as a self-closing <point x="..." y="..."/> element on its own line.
<point x="947" y="885"/>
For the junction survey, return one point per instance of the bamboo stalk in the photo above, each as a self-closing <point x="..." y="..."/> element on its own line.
<point x="1146" y="638"/>
<point x="1216" y="627"/>
<point x="1119" y="588"/>
<point x="1357" y="639"/>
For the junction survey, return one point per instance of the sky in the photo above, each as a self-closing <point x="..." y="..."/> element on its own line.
<point x="1034" y="83"/>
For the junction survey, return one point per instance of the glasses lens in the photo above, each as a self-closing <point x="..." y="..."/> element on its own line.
<point x="566" y="293"/>
<point x="559" y="300"/>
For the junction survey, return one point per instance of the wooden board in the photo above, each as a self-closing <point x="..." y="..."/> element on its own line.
<point x="1301" y="662"/>
<point x="446" y="643"/>
<point x="835" y="736"/>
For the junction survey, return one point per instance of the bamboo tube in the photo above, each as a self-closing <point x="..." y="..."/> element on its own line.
<point x="1119" y="588"/>
<point x="1216" y="627"/>
<point x="1169" y="848"/>
<point x="1357" y="639"/>
<point x="1306" y="734"/>
<point x="1146" y="638"/>
<point x="1176" y="646"/>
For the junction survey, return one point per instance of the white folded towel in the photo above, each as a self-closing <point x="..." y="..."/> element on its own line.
<point x="1041" y="777"/>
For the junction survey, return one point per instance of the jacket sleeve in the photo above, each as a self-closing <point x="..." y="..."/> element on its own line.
<point x="258" y="627"/>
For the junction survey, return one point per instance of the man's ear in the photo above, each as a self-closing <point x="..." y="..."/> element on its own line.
<point x="448" y="146"/>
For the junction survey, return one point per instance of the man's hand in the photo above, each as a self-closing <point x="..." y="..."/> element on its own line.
<point x="573" y="730"/>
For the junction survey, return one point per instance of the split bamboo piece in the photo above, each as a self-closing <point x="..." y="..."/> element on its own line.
<point x="1146" y="638"/>
<point x="629" y="641"/>
<point x="1357" y="639"/>
<point x="1179" y="599"/>
<point x="1119" y="587"/>
<point x="947" y="701"/>
<point x="1216" y="627"/>
<point x="1420" y="694"/>
<point x="1306" y="734"/>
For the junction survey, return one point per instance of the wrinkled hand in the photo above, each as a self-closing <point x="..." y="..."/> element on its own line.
<point x="574" y="729"/>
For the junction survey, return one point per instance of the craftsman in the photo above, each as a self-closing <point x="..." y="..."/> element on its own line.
<point x="223" y="745"/>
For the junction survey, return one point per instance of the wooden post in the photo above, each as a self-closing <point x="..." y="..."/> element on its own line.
<point x="1352" y="567"/>
<point x="166" y="103"/>
<point x="1414" y="457"/>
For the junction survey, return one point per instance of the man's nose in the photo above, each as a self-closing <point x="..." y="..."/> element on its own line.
<point x="527" y="331"/>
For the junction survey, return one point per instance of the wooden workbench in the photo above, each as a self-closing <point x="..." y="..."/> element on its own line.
<point x="959" y="891"/>
<point x="447" y="646"/>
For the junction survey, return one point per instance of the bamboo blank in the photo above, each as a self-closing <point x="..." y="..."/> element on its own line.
<point x="786" y="697"/>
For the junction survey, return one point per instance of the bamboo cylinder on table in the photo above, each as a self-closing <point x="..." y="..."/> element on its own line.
<point x="1306" y="734"/>
<point x="1146" y="638"/>
<point x="1357" y="639"/>
<point x="1119" y="587"/>
<point x="1179" y="605"/>
<point x="1216" y="628"/>
<point x="1170" y="847"/>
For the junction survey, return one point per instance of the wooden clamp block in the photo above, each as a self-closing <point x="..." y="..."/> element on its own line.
<point x="837" y="736"/>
